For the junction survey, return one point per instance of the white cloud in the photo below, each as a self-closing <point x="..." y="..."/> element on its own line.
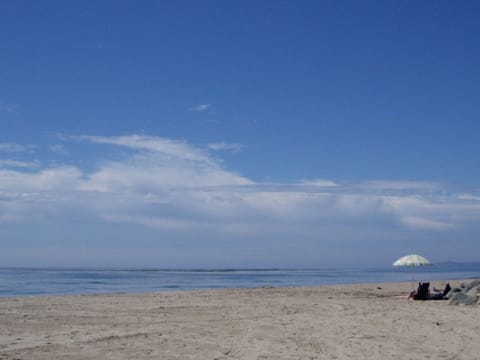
<point x="201" y="107"/>
<point x="159" y="163"/>
<point x="176" y="186"/>
<point x="468" y="197"/>
<point x="153" y="221"/>
<point x="57" y="179"/>
<point x="399" y="185"/>
<point x="319" y="183"/>
<point x="235" y="148"/>
<point x="427" y="224"/>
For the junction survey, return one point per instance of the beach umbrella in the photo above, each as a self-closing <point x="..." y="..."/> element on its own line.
<point x="412" y="261"/>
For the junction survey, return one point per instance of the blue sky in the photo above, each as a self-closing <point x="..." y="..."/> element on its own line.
<point x="240" y="133"/>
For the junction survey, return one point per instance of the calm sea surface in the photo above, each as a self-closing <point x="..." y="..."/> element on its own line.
<point x="52" y="281"/>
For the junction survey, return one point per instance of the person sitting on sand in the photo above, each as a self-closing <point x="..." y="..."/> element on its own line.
<point x="423" y="292"/>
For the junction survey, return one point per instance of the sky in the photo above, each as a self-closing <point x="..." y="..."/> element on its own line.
<point x="238" y="133"/>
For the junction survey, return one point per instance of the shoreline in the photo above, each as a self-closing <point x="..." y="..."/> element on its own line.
<point x="360" y="321"/>
<point x="433" y="282"/>
<point x="67" y="281"/>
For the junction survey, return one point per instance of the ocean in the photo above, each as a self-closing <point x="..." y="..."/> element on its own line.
<point x="76" y="281"/>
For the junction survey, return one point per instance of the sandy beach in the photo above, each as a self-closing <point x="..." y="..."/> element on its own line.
<point x="370" y="321"/>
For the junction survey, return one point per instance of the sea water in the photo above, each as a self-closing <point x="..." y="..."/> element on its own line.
<point x="62" y="281"/>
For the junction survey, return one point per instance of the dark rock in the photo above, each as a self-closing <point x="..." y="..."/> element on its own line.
<point x="473" y="284"/>
<point x="466" y="294"/>
<point x="473" y="292"/>
<point x="452" y="292"/>
<point x="461" y="298"/>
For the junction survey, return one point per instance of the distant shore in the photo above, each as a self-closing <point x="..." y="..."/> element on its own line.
<point x="363" y="321"/>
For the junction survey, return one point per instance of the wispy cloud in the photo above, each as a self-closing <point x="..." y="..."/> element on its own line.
<point x="14" y="147"/>
<point x="171" y="149"/>
<point x="9" y="163"/>
<point x="58" y="149"/>
<point x="201" y="107"/>
<point x="9" y="108"/>
<point x="235" y="148"/>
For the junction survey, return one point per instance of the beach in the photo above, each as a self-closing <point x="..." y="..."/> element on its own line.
<point x="368" y="321"/>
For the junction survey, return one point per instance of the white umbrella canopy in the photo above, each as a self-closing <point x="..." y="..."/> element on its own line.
<point x="412" y="261"/>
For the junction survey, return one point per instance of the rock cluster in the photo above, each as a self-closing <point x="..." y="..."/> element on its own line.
<point x="466" y="294"/>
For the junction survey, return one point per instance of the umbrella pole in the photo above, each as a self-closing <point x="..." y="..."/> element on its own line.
<point x="413" y="268"/>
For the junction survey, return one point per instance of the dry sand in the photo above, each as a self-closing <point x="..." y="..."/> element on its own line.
<point x="373" y="321"/>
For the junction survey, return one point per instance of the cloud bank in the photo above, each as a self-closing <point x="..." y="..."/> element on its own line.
<point x="177" y="188"/>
